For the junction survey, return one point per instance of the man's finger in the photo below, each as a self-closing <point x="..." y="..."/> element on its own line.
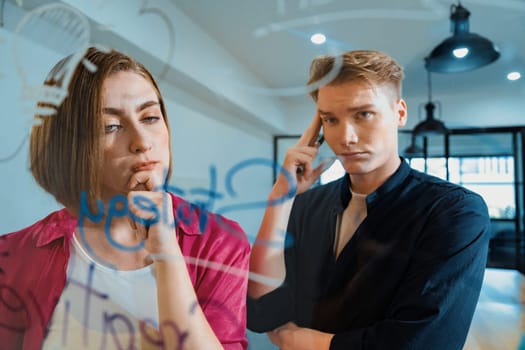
<point x="309" y="137"/>
<point x="311" y="152"/>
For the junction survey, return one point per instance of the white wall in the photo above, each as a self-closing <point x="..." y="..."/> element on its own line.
<point x="22" y="201"/>
<point x="300" y="111"/>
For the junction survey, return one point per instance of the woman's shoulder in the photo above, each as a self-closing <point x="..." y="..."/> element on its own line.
<point x="37" y="243"/>
<point x="57" y="224"/>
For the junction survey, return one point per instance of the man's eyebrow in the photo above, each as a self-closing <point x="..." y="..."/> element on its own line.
<point x="361" y="107"/>
<point x="350" y="109"/>
<point x="120" y="112"/>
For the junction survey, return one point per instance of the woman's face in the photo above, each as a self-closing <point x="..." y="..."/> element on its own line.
<point x="136" y="139"/>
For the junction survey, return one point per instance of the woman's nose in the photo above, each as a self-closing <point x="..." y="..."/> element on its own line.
<point x="140" y="142"/>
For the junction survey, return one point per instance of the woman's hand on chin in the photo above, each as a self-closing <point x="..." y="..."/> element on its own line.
<point x="152" y="210"/>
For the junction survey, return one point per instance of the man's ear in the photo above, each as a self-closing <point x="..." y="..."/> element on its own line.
<point x="402" y="112"/>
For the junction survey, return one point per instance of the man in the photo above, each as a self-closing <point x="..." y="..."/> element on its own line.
<point x="384" y="258"/>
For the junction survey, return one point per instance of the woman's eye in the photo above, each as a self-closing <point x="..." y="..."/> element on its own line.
<point x="151" y="120"/>
<point x="112" y="128"/>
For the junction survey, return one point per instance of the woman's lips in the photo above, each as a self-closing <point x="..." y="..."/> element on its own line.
<point x="143" y="166"/>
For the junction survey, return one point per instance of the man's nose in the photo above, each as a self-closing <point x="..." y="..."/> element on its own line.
<point x="348" y="134"/>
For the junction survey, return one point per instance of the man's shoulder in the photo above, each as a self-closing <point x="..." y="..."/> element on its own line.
<point x="447" y="200"/>
<point x="326" y="192"/>
<point x="433" y="186"/>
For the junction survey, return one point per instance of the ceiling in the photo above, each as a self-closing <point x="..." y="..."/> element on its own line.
<point x="271" y="37"/>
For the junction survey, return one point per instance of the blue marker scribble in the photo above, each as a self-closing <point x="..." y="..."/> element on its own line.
<point x="199" y="208"/>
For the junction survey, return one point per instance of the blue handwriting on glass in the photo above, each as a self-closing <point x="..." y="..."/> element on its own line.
<point x="118" y="205"/>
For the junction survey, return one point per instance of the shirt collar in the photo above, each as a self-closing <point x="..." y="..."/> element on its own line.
<point x="58" y="225"/>
<point x="191" y="218"/>
<point x="392" y="182"/>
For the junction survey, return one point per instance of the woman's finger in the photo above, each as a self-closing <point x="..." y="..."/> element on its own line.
<point x="145" y="181"/>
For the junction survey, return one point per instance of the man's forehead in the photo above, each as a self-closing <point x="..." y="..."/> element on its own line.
<point x="348" y="90"/>
<point x="354" y="95"/>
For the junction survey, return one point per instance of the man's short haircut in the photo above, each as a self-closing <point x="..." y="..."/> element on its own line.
<point x="373" y="67"/>
<point x="66" y="149"/>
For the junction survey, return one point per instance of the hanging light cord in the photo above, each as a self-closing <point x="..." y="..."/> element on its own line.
<point x="429" y="87"/>
<point x="2" y="5"/>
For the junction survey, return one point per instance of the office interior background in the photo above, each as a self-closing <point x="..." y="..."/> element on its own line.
<point x="233" y="74"/>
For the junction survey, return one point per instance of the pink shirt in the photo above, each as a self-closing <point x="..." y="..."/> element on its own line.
<point x="33" y="264"/>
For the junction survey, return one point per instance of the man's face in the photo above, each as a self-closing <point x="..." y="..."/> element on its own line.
<point x="360" y="123"/>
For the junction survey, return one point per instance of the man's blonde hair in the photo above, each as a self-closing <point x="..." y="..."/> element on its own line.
<point x="373" y="67"/>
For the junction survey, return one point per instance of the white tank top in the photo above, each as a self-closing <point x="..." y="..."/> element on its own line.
<point x="104" y="308"/>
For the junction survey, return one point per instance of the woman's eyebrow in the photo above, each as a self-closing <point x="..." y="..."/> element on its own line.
<point x="120" y="112"/>
<point x="147" y="105"/>
<point x="112" y="110"/>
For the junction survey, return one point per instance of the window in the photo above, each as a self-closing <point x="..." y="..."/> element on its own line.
<point x="490" y="176"/>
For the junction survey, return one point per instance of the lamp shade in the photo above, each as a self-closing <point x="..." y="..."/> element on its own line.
<point x="430" y="126"/>
<point x="463" y="51"/>
<point x="481" y="52"/>
<point x="413" y="150"/>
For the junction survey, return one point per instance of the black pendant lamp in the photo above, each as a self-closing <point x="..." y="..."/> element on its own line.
<point x="431" y="125"/>
<point x="413" y="150"/>
<point x="463" y="51"/>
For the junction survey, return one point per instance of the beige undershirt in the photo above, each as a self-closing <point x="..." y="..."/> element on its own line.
<point x="349" y="221"/>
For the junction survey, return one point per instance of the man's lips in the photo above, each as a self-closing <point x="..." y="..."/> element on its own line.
<point x="143" y="166"/>
<point x="351" y="154"/>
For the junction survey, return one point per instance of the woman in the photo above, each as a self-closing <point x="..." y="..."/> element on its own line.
<point x="125" y="264"/>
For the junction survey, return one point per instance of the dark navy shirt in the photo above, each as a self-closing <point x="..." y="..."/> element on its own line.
<point x="409" y="278"/>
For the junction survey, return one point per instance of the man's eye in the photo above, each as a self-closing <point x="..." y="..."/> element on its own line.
<point x="366" y="115"/>
<point x="329" y="120"/>
<point x="112" y="128"/>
